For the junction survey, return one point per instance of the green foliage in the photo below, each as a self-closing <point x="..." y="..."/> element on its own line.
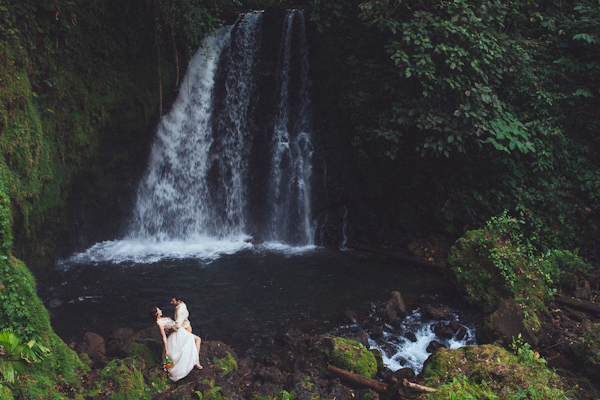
<point x="139" y="350"/>
<point x="353" y="356"/>
<point x="525" y="355"/>
<point x="497" y="262"/>
<point x="307" y="383"/>
<point x="454" y="60"/>
<point x="5" y="393"/>
<point x="462" y="388"/>
<point x="490" y="372"/>
<point x="283" y="395"/>
<point x="68" y="76"/>
<point x="331" y="15"/>
<point x="213" y="393"/>
<point x="5" y="217"/>
<point x="126" y="379"/>
<point x="15" y="356"/>
<point x="189" y="19"/>
<point x="509" y="89"/>
<point x="564" y="268"/>
<point x="500" y="261"/>
<point x="227" y="364"/>
<point x="22" y="311"/>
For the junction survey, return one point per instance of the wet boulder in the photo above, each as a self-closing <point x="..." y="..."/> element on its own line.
<point x="404" y="373"/>
<point x="438" y="312"/>
<point x="410" y="336"/>
<point x="379" y="358"/>
<point x="376" y="333"/>
<point x="350" y="316"/>
<point x="362" y="337"/>
<point x="447" y="330"/>
<point x="434" y="346"/>
<point x="462" y="333"/>
<point x="93" y="345"/>
<point x="393" y="310"/>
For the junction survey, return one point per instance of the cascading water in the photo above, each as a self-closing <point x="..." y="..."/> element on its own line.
<point x="291" y="167"/>
<point x="201" y="193"/>
<point x="195" y="181"/>
<point x="233" y="158"/>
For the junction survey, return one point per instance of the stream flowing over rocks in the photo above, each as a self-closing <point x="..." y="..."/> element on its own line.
<point x="304" y="358"/>
<point x="296" y="358"/>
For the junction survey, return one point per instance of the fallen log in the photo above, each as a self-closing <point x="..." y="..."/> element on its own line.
<point x="357" y="379"/>
<point x="418" y="387"/>
<point x="583" y="305"/>
<point x="380" y="387"/>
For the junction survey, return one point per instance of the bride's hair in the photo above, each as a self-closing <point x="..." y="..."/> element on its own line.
<point x="153" y="313"/>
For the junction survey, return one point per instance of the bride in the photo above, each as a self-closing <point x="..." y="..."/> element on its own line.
<point x="181" y="346"/>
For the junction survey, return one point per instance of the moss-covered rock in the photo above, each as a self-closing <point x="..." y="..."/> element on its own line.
<point x="353" y="356"/>
<point x="490" y="371"/>
<point x="24" y="313"/>
<point x="510" y="321"/>
<point x="496" y="263"/>
<point x="145" y="353"/>
<point x="125" y="379"/>
<point x="378" y="358"/>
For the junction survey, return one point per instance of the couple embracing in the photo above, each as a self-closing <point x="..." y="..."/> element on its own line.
<point x="181" y="346"/>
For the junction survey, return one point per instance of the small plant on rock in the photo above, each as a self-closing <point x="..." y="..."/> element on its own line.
<point x="15" y="356"/>
<point x="227" y="364"/>
<point x="212" y="394"/>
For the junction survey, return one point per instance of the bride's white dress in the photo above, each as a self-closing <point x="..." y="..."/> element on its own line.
<point x="182" y="351"/>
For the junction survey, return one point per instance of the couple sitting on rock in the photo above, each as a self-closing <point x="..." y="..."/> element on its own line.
<point x="181" y="346"/>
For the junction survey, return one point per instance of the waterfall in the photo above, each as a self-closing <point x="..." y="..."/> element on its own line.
<point x="198" y="183"/>
<point x="289" y="189"/>
<point x="172" y="199"/>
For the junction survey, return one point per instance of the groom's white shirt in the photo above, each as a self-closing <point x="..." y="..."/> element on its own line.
<point x="181" y="316"/>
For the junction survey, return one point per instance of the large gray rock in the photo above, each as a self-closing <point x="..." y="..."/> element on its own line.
<point x="93" y="345"/>
<point x="393" y="310"/>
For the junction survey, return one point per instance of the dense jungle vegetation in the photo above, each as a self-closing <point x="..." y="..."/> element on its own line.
<point x="495" y="102"/>
<point x="504" y="93"/>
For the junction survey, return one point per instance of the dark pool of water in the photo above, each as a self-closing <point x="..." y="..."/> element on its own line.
<point x="238" y="297"/>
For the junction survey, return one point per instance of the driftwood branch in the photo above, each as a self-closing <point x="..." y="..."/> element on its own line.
<point x="418" y="387"/>
<point x="357" y="379"/>
<point x="380" y="387"/>
<point x="582" y="305"/>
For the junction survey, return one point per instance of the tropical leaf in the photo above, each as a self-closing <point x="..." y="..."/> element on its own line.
<point x="15" y="356"/>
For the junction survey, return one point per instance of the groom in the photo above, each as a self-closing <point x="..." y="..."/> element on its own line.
<point x="181" y="313"/>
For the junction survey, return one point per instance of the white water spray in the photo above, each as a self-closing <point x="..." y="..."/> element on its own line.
<point x="289" y="189"/>
<point x="196" y="194"/>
